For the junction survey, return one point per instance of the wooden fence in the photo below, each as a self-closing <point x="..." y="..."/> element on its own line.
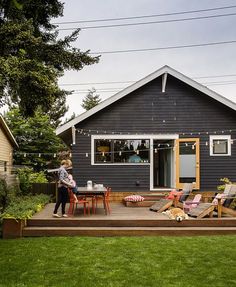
<point x="45" y="188"/>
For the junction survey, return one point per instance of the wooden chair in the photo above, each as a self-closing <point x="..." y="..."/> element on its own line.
<point x="174" y="198"/>
<point x="105" y="199"/>
<point x="189" y="204"/>
<point x="73" y="203"/>
<point x="220" y="204"/>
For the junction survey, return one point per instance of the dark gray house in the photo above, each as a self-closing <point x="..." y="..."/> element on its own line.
<point x="158" y="133"/>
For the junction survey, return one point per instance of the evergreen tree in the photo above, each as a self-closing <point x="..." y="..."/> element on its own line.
<point x="32" y="58"/>
<point x="91" y="100"/>
<point x="39" y="147"/>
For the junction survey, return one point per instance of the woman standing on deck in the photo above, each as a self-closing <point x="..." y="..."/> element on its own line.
<point x="63" y="185"/>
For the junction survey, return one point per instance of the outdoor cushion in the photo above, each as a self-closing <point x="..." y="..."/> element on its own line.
<point x="134" y="198"/>
<point x="219" y="196"/>
<point x="174" y="193"/>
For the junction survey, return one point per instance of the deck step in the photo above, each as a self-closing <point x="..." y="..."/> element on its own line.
<point x="92" y="222"/>
<point x="126" y="231"/>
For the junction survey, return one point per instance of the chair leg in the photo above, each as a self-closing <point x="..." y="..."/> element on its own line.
<point x="84" y="208"/>
<point x="71" y="208"/>
<point x="93" y="204"/>
<point x="108" y="206"/>
<point x="88" y="209"/>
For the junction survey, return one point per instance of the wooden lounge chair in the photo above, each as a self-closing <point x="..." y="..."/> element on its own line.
<point x="190" y="204"/>
<point x="174" y="198"/>
<point x="220" y="203"/>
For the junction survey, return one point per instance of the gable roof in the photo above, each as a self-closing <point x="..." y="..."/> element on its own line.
<point x="164" y="70"/>
<point x="8" y="132"/>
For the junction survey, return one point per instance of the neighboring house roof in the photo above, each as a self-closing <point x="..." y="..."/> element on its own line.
<point x="63" y="130"/>
<point x="8" y="132"/>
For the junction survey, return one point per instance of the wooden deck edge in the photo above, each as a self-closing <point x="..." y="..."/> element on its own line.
<point x="37" y="232"/>
<point x="91" y="222"/>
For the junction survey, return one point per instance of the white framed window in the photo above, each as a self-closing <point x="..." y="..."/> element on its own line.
<point x="220" y="145"/>
<point x="111" y="149"/>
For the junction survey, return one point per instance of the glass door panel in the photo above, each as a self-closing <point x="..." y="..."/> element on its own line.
<point x="187" y="162"/>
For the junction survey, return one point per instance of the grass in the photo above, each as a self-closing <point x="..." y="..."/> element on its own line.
<point x="119" y="261"/>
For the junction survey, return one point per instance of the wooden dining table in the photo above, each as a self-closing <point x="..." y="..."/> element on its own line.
<point x="94" y="191"/>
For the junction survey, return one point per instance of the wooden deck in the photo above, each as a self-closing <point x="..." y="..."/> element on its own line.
<point x="124" y="221"/>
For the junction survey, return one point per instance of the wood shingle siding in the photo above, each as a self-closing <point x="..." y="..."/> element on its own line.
<point x="186" y="109"/>
<point x="181" y="109"/>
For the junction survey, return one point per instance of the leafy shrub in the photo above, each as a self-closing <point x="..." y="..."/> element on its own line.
<point x="3" y="194"/>
<point x="25" y="206"/>
<point x="225" y="181"/>
<point x="27" y="177"/>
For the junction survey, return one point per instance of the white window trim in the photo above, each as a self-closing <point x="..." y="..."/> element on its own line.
<point x="150" y="137"/>
<point x="131" y="137"/>
<point x="220" y="137"/>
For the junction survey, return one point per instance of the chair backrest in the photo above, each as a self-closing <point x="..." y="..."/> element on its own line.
<point x="197" y="198"/>
<point x="187" y="189"/>
<point x="223" y="195"/>
<point x="231" y="193"/>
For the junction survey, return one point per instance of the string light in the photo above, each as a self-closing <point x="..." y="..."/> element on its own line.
<point x="161" y="146"/>
<point x="143" y="133"/>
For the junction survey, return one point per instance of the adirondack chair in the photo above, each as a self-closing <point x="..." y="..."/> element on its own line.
<point x="174" y="198"/>
<point x="220" y="203"/>
<point x="189" y="204"/>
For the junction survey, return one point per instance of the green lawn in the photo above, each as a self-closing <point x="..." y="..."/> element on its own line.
<point x="119" y="261"/>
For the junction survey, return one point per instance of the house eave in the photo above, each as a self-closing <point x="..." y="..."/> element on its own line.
<point x="8" y="133"/>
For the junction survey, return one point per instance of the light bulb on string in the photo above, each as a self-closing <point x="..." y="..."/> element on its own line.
<point x="86" y="154"/>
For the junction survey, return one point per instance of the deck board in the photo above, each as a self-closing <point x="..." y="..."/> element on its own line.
<point x="124" y="221"/>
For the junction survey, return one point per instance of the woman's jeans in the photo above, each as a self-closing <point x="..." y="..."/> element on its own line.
<point x="62" y="197"/>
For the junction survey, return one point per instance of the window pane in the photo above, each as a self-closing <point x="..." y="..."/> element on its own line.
<point x="220" y="146"/>
<point x="131" y="151"/>
<point x="187" y="162"/>
<point x="102" y="150"/>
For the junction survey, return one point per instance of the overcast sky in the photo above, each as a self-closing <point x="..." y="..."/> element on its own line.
<point x="215" y="60"/>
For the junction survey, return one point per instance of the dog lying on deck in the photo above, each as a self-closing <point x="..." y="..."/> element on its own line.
<point x="176" y="213"/>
